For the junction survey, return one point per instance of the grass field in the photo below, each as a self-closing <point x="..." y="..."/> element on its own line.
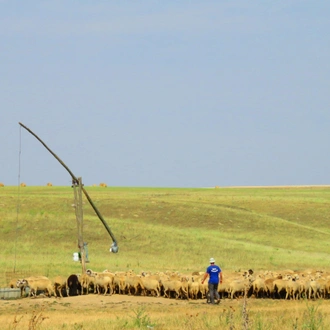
<point x="160" y="229"/>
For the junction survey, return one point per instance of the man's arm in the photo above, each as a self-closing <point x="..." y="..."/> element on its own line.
<point x="220" y="277"/>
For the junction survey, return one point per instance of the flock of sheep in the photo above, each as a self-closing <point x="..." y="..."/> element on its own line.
<point x="266" y="284"/>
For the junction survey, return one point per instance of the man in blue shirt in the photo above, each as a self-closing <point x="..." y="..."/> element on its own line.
<point x="215" y="274"/>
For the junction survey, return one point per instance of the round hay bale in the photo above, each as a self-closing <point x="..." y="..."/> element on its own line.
<point x="102" y="184"/>
<point x="49" y="184"/>
<point x="94" y="185"/>
<point x="1" y="184"/>
<point x="23" y="184"/>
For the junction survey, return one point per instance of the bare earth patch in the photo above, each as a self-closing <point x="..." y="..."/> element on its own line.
<point x="82" y="309"/>
<point x="71" y="310"/>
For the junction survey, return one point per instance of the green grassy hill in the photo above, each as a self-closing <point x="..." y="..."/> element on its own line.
<point x="164" y="228"/>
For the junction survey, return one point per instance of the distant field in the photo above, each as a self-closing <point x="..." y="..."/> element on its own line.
<point x="159" y="229"/>
<point x="163" y="228"/>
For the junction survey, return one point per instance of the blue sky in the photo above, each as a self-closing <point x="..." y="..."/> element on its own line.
<point x="166" y="93"/>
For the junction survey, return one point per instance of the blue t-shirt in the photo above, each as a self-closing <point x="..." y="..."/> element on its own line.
<point x="213" y="271"/>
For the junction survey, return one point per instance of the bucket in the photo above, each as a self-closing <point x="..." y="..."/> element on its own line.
<point x="76" y="256"/>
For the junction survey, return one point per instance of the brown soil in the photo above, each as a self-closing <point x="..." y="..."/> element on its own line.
<point x="80" y="309"/>
<point x="88" y="307"/>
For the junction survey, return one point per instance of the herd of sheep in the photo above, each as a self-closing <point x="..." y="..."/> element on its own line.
<point x="265" y="284"/>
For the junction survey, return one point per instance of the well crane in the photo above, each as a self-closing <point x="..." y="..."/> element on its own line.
<point x="78" y="188"/>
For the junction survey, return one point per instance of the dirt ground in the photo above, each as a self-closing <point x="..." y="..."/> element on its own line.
<point x="94" y="301"/>
<point x="81" y="309"/>
<point x="71" y="310"/>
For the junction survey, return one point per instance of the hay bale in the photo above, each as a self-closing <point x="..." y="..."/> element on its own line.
<point x="49" y="184"/>
<point x="23" y="184"/>
<point x="1" y="184"/>
<point x="102" y="184"/>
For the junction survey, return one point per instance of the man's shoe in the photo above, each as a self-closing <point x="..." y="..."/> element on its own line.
<point x="218" y="301"/>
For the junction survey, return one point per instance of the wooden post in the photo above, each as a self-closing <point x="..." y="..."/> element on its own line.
<point x="77" y="187"/>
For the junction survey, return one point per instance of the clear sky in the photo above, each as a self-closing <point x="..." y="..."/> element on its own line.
<point x="166" y="93"/>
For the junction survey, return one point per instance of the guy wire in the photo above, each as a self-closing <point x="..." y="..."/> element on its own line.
<point x="18" y="196"/>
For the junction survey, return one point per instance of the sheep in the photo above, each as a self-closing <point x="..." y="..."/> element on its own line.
<point x="15" y="283"/>
<point x="87" y="282"/>
<point x="239" y="287"/>
<point x="175" y="286"/>
<point x="259" y="287"/>
<point x="203" y="288"/>
<point x="305" y="288"/>
<point x="60" y="283"/>
<point x="318" y="288"/>
<point x="19" y="282"/>
<point x="269" y="288"/>
<point x="223" y="289"/>
<point x="134" y="283"/>
<point x="119" y="283"/>
<point x="12" y="283"/>
<point x="35" y="284"/>
<point x="292" y="289"/>
<point x="184" y="288"/>
<point x="105" y="283"/>
<point x="327" y="288"/>
<point x="74" y="285"/>
<point x="279" y="288"/>
<point x="197" y="273"/>
<point x="151" y="285"/>
<point x="193" y="289"/>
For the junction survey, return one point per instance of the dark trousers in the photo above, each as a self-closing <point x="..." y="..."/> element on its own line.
<point x="213" y="291"/>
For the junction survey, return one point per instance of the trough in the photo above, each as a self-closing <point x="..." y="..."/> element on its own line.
<point x="10" y="293"/>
